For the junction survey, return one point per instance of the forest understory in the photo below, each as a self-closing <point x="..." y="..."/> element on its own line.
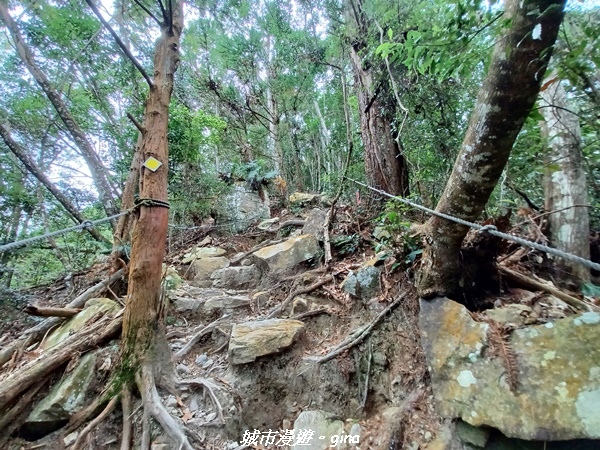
<point x="358" y="357"/>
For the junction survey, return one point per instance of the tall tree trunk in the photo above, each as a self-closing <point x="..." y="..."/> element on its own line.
<point x="505" y="99"/>
<point x="385" y="166"/>
<point x="33" y="169"/>
<point x="144" y="346"/>
<point x="97" y="169"/>
<point x="565" y="188"/>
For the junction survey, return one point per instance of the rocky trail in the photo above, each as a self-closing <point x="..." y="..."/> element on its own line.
<point x="277" y="350"/>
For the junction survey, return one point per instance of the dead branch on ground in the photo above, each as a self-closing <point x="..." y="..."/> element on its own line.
<point x="358" y="335"/>
<point x="305" y="290"/>
<point x="532" y="282"/>
<point x="42" y="311"/>
<point x="199" y="335"/>
<point x="39" y="331"/>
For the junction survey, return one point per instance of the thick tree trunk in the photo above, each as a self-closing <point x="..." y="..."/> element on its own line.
<point x="385" y="166"/>
<point x="97" y="169"/>
<point x="565" y="188"/>
<point x="509" y="91"/>
<point x="144" y="344"/>
<point x="33" y="169"/>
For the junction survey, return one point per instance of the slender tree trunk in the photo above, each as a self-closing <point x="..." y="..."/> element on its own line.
<point x="505" y="99"/>
<point x="144" y="346"/>
<point x="5" y="271"/>
<point x="385" y="166"/>
<point x="97" y="169"/>
<point x="122" y="235"/>
<point x="565" y="187"/>
<point x="33" y="169"/>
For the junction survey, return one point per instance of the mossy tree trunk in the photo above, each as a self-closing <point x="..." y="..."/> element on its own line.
<point x="517" y="68"/>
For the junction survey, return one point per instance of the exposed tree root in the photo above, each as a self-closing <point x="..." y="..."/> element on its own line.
<point x="94" y="423"/>
<point x="127" y="413"/>
<point x="196" y="338"/>
<point x="305" y="290"/>
<point x="357" y="336"/>
<point x="210" y="388"/>
<point x="154" y="408"/>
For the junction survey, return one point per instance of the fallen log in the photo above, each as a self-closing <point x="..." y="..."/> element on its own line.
<point x="38" y="369"/>
<point x="39" y="331"/>
<point x="532" y="282"/>
<point x="42" y="311"/>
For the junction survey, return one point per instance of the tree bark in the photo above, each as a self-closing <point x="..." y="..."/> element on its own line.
<point x="97" y="169"/>
<point x="385" y="165"/>
<point x="33" y="169"/>
<point x="517" y="68"/>
<point x="144" y="343"/>
<point x="565" y="187"/>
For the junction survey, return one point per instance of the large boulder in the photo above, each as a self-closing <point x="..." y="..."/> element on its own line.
<point x="202" y="252"/>
<point x="555" y="366"/>
<point x="244" y="277"/>
<point x="208" y="299"/>
<point x="93" y="308"/>
<point x="315" y="222"/>
<point x="66" y="398"/>
<point x="250" y="340"/>
<point x="202" y="269"/>
<point x="281" y="257"/>
<point x="242" y="208"/>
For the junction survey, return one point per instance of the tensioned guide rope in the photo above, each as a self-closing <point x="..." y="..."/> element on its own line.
<point x="488" y="229"/>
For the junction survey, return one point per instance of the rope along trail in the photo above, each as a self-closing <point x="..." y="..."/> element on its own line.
<point x="489" y="229"/>
<point x="86" y="224"/>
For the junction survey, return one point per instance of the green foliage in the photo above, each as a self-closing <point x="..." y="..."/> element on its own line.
<point x="443" y="47"/>
<point x="395" y="222"/>
<point x="346" y="245"/>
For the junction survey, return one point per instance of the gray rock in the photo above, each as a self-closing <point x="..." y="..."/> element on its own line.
<point x="556" y="368"/>
<point x="202" y="252"/>
<point x="314" y="223"/>
<point x="302" y="198"/>
<point x="300" y="305"/>
<point x="93" y="308"/>
<point x="201" y="359"/>
<point x="510" y="314"/>
<point x="477" y="436"/>
<point x="250" y="340"/>
<point x="323" y="426"/>
<point x="182" y="368"/>
<point x="288" y="254"/>
<point x="66" y="398"/>
<point x="202" y="269"/>
<point x="364" y="283"/>
<point x="227" y="301"/>
<point x="242" y="208"/>
<point x="171" y="402"/>
<point x="245" y="277"/>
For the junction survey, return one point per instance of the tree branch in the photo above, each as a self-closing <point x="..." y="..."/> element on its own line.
<point x="147" y="11"/>
<point x="138" y="125"/>
<point x="120" y="43"/>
